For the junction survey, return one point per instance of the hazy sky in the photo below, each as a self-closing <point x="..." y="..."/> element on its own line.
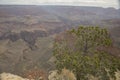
<point x="101" y="3"/>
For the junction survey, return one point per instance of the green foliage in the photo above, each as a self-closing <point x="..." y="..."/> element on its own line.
<point x="79" y="51"/>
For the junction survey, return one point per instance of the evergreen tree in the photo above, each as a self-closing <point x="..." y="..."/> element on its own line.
<point x="79" y="51"/>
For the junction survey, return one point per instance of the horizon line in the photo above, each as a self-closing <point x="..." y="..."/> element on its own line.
<point x="58" y="5"/>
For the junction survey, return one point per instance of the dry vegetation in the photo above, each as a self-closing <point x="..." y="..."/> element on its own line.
<point x="36" y="74"/>
<point x="64" y="75"/>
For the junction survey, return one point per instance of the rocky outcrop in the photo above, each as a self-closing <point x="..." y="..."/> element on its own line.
<point x="9" y="76"/>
